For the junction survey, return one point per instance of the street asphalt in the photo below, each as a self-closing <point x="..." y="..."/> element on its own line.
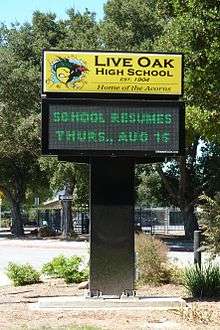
<point x="37" y="252"/>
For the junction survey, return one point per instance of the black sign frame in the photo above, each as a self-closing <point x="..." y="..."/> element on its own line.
<point x="46" y="102"/>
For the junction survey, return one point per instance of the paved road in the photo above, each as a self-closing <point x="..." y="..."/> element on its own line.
<point x="37" y="252"/>
<point x="181" y="258"/>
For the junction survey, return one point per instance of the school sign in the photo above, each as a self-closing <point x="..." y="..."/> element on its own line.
<point x="112" y="110"/>
<point x="112" y="73"/>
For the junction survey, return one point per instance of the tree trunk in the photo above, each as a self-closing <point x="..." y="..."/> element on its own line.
<point x="15" y="192"/>
<point x="67" y="220"/>
<point x="185" y="193"/>
<point x="17" y="228"/>
<point x="190" y="221"/>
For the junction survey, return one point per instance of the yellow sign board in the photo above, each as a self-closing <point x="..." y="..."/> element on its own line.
<point x="112" y="72"/>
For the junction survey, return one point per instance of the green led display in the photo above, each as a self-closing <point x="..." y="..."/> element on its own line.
<point x="114" y="127"/>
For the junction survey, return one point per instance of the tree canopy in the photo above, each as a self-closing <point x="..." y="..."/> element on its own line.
<point x="20" y="85"/>
<point x="191" y="27"/>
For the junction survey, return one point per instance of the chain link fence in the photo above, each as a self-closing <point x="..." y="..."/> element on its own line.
<point x="159" y="220"/>
<point x="149" y="220"/>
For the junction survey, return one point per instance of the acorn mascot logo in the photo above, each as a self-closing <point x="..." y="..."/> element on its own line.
<point x="68" y="72"/>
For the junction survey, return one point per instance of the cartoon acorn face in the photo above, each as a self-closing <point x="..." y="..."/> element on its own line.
<point x="68" y="70"/>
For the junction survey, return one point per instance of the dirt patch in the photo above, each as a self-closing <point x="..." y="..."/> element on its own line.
<point x="16" y="314"/>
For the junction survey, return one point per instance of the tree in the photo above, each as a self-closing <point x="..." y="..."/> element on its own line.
<point x="188" y="26"/>
<point x="70" y="177"/>
<point x="81" y="31"/>
<point x="210" y="218"/>
<point x="187" y="178"/>
<point x="19" y="124"/>
<point x="192" y="28"/>
<point x="20" y="76"/>
<point x="150" y="188"/>
<point x="129" y="25"/>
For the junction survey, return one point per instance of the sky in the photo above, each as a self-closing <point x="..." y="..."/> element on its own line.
<point x="13" y="11"/>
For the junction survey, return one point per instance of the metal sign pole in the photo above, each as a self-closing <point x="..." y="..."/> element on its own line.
<point x="112" y="262"/>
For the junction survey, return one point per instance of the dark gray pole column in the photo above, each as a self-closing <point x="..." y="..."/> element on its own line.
<point x="66" y="201"/>
<point x="197" y="247"/>
<point x="111" y="231"/>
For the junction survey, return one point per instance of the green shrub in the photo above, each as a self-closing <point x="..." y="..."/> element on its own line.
<point x="175" y="274"/>
<point x="55" y="267"/>
<point x="67" y="268"/>
<point x="204" y="282"/>
<point x="5" y="222"/>
<point x="72" y="235"/>
<point x="152" y="260"/>
<point x="22" y="274"/>
<point x="46" y="231"/>
<point x="71" y="272"/>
